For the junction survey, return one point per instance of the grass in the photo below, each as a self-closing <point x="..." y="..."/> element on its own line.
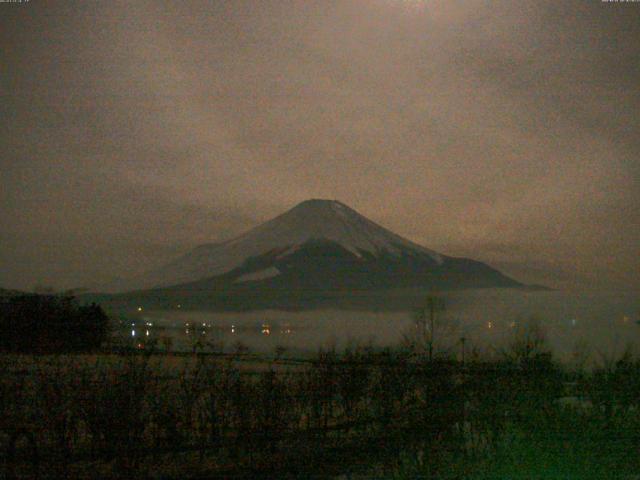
<point x="366" y="412"/>
<point x="569" y="446"/>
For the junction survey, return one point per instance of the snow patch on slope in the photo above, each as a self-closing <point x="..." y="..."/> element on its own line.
<point x="259" y="275"/>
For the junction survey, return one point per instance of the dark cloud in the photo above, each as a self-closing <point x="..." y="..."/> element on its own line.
<point x="501" y="131"/>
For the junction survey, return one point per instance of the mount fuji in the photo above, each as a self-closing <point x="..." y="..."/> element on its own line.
<point x="319" y="253"/>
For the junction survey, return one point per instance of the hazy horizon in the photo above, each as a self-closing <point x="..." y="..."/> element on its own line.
<point x="602" y="326"/>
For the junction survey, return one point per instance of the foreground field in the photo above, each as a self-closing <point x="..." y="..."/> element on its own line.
<point x="363" y="412"/>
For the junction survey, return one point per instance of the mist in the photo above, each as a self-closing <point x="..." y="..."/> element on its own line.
<point x="600" y="326"/>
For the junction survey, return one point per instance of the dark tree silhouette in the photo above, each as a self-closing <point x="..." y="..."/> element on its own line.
<point x="428" y="324"/>
<point x="50" y="323"/>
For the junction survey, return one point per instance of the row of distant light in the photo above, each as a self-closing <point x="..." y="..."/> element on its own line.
<point x="266" y="330"/>
<point x="148" y="324"/>
<point x="204" y="325"/>
<point x="490" y="325"/>
<point x="625" y="319"/>
<point x="574" y="322"/>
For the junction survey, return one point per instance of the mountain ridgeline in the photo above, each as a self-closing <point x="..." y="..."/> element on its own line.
<point x="319" y="254"/>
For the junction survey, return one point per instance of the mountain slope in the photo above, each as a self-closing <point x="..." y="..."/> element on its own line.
<point x="309" y="220"/>
<point x="316" y="254"/>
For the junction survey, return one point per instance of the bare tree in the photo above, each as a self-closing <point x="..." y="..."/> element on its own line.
<point x="431" y="327"/>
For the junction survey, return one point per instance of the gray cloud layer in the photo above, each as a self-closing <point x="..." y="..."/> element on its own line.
<point x="503" y="131"/>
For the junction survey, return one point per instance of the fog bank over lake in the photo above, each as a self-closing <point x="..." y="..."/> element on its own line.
<point x="606" y="323"/>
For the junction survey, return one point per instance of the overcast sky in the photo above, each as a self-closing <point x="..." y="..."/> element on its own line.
<point x="506" y="131"/>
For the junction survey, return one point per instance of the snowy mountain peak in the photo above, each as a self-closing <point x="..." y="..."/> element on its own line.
<point x="318" y="203"/>
<point x="334" y="221"/>
<point x="317" y="207"/>
<point x="310" y="220"/>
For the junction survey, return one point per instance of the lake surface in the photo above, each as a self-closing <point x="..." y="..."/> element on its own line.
<point x="600" y="324"/>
